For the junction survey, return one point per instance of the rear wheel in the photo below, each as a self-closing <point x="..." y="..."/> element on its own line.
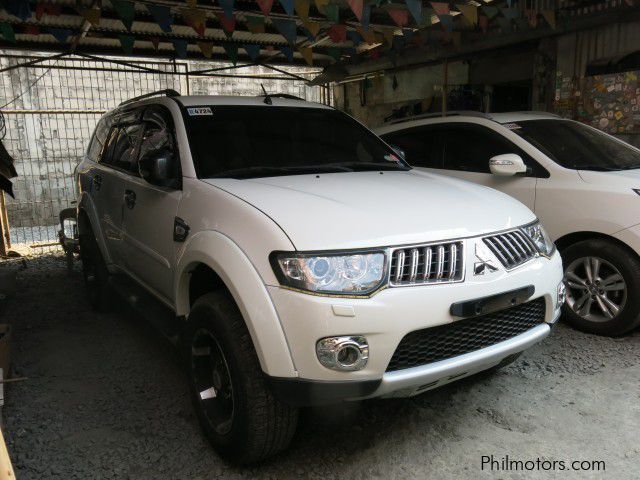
<point x="600" y="276"/>
<point x="95" y="273"/>
<point x="238" y="413"/>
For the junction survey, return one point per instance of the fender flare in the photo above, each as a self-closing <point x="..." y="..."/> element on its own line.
<point x="244" y="283"/>
<point x="86" y="206"/>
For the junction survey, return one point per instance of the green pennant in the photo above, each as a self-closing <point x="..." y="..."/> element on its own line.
<point x="125" y="10"/>
<point x="127" y="43"/>
<point x="332" y="12"/>
<point x="255" y="23"/>
<point x="231" y="49"/>
<point x="6" y="30"/>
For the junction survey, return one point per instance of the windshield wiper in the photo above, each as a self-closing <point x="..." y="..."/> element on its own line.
<point x="256" y="172"/>
<point x="364" y="166"/>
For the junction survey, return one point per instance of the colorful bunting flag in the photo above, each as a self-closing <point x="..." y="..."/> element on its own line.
<point x="6" y="30"/>
<point x="447" y="22"/>
<point x="60" y="34"/>
<point x="550" y="17"/>
<point x="288" y="6"/>
<point x="356" y="7"/>
<point x="368" y="35"/>
<point x="313" y="28"/>
<point x="307" y="54"/>
<point x="125" y="10"/>
<point x="399" y="16"/>
<point x="415" y="7"/>
<point x="227" y="7"/>
<point x="532" y="17"/>
<point x="332" y="12"/>
<point x="155" y="41"/>
<point x="265" y="6"/>
<point x="18" y="8"/>
<point x="206" y="48"/>
<point x="321" y="4"/>
<point x="354" y="37"/>
<point x="441" y="8"/>
<point x="180" y="46"/>
<point x="287" y="52"/>
<point x="162" y="16"/>
<point x="302" y="9"/>
<point x="231" y="49"/>
<point x="255" y="23"/>
<point x="228" y="24"/>
<point x="127" y="43"/>
<point x="91" y="15"/>
<point x="338" y="33"/>
<point x="32" y="30"/>
<point x="253" y="50"/>
<point x="470" y="12"/>
<point x="287" y="29"/>
<point x="366" y="15"/>
<point x="388" y="35"/>
<point x="196" y="19"/>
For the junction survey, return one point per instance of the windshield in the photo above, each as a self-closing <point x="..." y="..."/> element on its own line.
<point x="266" y="141"/>
<point x="574" y="145"/>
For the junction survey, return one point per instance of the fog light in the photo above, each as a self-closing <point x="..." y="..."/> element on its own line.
<point x="562" y="294"/>
<point x="343" y="353"/>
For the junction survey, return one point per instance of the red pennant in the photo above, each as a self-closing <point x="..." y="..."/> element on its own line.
<point x="356" y="7"/>
<point x="228" y="24"/>
<point x="32" y="30"/>
<point x="338" y="33"/>
<point x="265" y="6"/>
<point x="441" y="8"/>
<point x="399" y="16"/>
<point x="43" y="8"/>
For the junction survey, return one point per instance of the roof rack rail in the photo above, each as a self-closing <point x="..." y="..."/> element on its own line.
<point x="453" y="113"/>
<point x="169" y="92"/>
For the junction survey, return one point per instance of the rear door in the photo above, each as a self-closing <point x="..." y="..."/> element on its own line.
<point x="150" y="211"/>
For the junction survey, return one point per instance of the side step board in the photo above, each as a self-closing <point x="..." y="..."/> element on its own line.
<point x="158" y="315"/>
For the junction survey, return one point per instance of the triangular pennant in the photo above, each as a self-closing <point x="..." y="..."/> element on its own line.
<point x="6" y="30"/>
<point x="255" y="23"/>
<point x="206" y="48"/>
<point x="180" y="46"/>
<point x="307" y="54"/>
<point x="313" y="27"/>
<point x="125" y="10"/>
<point x="231" y="49"/>
<point x="550" y="17"/>
<point x="253" y="50"/>
<point x="91" y="15"/>
<point x="18" y="8"/>
<point x="287" y="52"/>
<point x="162" y="16"/>
<point x="265" y="6"/>
<point x="441" y="8"/>
<point x="470" y="12"/>
<point x="228" y="24"/>
<point x="399" y="16"/>
<point x="127" y="43"/>
<point x="302" y="9"/>
<point x="490" y="11"/>
<point x="447" y="22"/>
<point x="195" y="18"/>
<point x="32" y="30"/>
<point x="338" y="33"/>
<point x="227" y="7"/>
<point x="354" y="37"/>
<point x="287" y="29"/>
<point x="60" y="34"/>
<point x="332" y="12"/>
<point x="356" y="7"/>
<point x="415" y="7"/>
<point x="368" y="35"/>
<point x="321" y="4"/>
<point x="366" y="15"/>
<point x="155" y="41"/>
<point x="41" y="8"/>
<point x="287" y="5"/>
<point x="532" y="17"/>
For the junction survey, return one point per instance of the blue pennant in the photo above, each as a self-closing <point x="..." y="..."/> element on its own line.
<point x="60" y="34"/>
<point x="287" y="29"/>
<point x="162" y="16"/>
<point x="253" y="51"/>
<point x="287" y="52"/>
<point x="288" y="6"/>
<point x="227" y="7"/>
<point x="180" y="46"/>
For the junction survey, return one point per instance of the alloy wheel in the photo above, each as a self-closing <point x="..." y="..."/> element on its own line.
<point x="596" y="290"/>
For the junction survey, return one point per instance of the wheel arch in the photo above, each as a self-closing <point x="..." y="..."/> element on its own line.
<point x="572" y="238"/>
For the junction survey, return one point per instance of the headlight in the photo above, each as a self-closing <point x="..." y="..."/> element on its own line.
<point x="540" y="238"/>
<point x="351" y="274"/>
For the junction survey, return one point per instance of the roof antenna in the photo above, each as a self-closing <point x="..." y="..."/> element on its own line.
<point x="267" y="98"/>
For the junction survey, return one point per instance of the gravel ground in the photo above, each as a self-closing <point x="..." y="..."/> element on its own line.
<point x="106" y="398"/>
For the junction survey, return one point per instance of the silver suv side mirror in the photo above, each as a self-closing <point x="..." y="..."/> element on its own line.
<point x="157" y="167"/>
<point x="507" y="165"/>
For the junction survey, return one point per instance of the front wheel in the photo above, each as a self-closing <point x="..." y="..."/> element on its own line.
<point x="238" y="413"/>
<point x="601" y="278"/>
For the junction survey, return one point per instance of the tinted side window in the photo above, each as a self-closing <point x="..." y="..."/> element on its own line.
<point x="422" y="146"/>
<point x="468" y="148"/>
<point x="122" y="147"/>
<point x="158" y="135"/>
<point x="98" y="140"/>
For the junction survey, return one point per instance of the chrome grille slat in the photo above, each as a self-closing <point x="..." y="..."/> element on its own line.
<point x="511" y="248"/>
<point x="426" y="264"/>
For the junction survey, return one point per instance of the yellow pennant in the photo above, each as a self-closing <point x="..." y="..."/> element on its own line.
<point x="313" y="27"/>
<point x="302" y="9"/>
<point x="320" y="4"/>
<point x="91" y="15"/>
<point x="206" y="48"/>
<point x="307" y="54"/>
<point x="550" y="17"/>
<point x="470" y="12"/>
<point x="368" y="35"/>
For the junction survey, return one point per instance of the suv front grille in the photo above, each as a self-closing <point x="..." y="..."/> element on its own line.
<point x="429" y="345"/>
<point x="420" y="265"/>
<point x="511" y="248"/>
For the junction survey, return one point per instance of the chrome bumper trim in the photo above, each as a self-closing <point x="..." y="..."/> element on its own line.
<point x="415" y="380"/>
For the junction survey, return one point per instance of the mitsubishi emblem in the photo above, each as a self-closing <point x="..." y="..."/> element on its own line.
<point x="485" y="262"/>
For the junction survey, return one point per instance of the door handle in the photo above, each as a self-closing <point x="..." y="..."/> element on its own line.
<point x="97" y="181"/>
<point x="130" y="199"/>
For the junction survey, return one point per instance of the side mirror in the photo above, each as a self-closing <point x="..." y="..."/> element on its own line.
<point x="507" y="165"/>
<point x="399" y="151"/>
<point x="157" y="168"/>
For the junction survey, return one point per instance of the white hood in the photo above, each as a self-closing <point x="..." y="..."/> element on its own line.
<point x="370" y="209"/>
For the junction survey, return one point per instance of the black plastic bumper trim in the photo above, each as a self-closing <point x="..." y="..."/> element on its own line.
<point x="492" y="303"/>
<point x="300" y="392"/>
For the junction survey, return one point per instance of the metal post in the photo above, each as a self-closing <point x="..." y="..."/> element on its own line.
<point x="5" y="241"/>
<point x="445" y="87"/>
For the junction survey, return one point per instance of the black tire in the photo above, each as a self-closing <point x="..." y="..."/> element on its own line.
<point x="95" y="273"/>
<point x="259" y="425"/>
<point x="628" y="265"/>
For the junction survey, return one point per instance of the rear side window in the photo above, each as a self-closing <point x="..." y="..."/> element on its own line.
<point x="468" y="148"/>
<point x="98" y="140"/>
<point x="122" y="147"/>
<point x="422" y="146"/>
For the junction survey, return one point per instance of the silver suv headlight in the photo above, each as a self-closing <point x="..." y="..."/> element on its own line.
<point x="538" y="235"/>
<point x="343" y="273"/>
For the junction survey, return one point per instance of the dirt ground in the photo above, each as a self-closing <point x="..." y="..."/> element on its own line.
<point x="106" y="398"/>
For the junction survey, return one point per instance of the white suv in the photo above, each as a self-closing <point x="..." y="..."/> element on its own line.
<point x="303" y="261"/>
<point x="582" y="183"/>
